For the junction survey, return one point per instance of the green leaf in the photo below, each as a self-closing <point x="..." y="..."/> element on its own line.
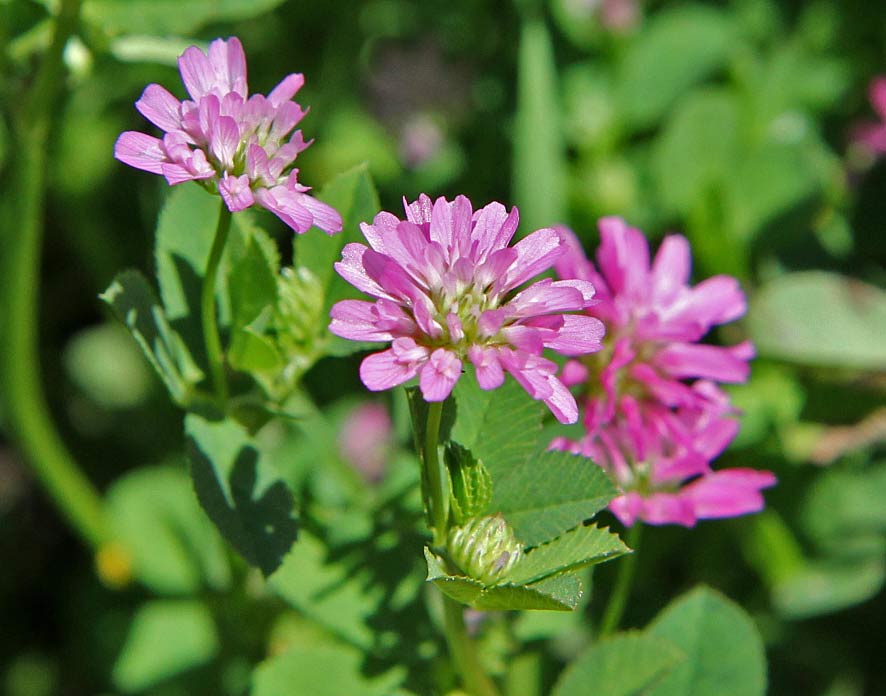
<point x="173" y="547"/>
<point x="724" y="652"/>
<point x="834" y="583"/>
<point x="697" y="149"/>
<point x="133" y="302"/>
<point x="166" y="638"/>
<point x="241" y="492"/>
<point x="549" y="494"/>
<point x="107" y="366"/>
<point x="501" y="426"/>
<point x="161" y="17"/>
<point x="846" y="503"/>
<point x="623" y="665"/>
<point x="539" y="168"/>
<point x="561" y="593"/>
<point x="342" y="601"/>
<point x="353" y="195"/>
<point x="820" y="318"/>
<point x="469" y="482"/>
<point x="575" y="549"/>
<point x="185" y="232"/>
<point x="679" y="47"/>
<point x="253" y="279"/>
<point x="322" y="670"/>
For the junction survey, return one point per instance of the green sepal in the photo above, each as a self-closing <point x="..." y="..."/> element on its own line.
<point x="554" y="594"/>
<point x="470" y="484"/>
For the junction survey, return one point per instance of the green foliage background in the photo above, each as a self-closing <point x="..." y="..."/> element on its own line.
<point x="729" y="121"/>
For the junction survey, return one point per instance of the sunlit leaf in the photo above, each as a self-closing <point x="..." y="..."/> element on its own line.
<point x="724" y="652"/>
<point x="161" y="17"/>
<point x="623" y="665"/>
<point x="241" y="492"/>
<point x="166" y="638"/>
<point x="820" y="318"/>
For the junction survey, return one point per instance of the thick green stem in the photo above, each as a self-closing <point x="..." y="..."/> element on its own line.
<point x="618" y="600"/>
<point x="27" y="412"/>
<point x="463" y="651"/>
<point x="214" y="354"/>
<point x="436" y="476"/>
<point x="460" y="645"/>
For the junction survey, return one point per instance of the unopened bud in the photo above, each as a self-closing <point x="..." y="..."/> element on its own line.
<point x="485" y="548"/>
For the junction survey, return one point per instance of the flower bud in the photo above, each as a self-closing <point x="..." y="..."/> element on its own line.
<point x="485" y="548"/>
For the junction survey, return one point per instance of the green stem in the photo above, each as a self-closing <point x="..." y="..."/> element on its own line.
<point x="27" y="412"/>
<point x="619" y="598"/>
<point x="436" y="476"/>
<point x="463" y="651"/>
<point x="460" y="645"/>
<point x="214" y="354"/>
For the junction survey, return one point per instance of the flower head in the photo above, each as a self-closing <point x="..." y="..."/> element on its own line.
<point x="873" y="135"/>
<point x="444" y="282"/>
<point x="652" y="429"/>
<point x="240" y="146"/>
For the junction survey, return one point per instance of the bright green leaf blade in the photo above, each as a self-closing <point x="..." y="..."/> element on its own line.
<point x="322" y="670"/>
<point x="173" y="547"/>
<point x="253" y="279"/>
<point x="549" y="494"/>
<point x="819" y="318"/>
<point x="134" y="303"/>
<point x="162" y="17"/>
<point x="622" y="665"/>
<point x="166" y="638"/>
<point x="331" y="594"/>
<point x="724" y="652"/>
<point x="241" y="492"/>
<point x="554" y="594"/>
<point x="501" y="427"/>
<point x="539" y="176"/>
<point x="573" y="550"/>
<point x="679" y="47"/>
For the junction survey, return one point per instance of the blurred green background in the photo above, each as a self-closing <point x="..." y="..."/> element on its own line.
<point x="731" y="122"/>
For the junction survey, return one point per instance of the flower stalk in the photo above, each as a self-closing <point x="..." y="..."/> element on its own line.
<point x="463" y="652"/>
<point x="618" y="600"/>
<point x="27" y="412"/>
<point x="214" y="354"/>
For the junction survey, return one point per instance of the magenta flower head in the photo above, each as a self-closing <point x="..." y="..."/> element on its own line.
<point x="646" y="424"/>
<point x="444" y="281"/>
<point x="873" y="135"/>
<point x="240" y="146"/>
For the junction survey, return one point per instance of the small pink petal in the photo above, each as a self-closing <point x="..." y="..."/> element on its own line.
<point x="160" y="108"/>
<point x="141" y="151"/>
<point x="381" y="371"/>
<point x="236" y="192"/>
<point x="439" y="375"/>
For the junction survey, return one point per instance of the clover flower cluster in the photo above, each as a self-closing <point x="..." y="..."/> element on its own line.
<point x="234" y="144"/>
<point x="444" y="280"/>
<point x="654" y="414"/>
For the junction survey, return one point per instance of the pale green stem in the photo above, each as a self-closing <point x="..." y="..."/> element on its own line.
<point x="618" y="600"/>
<point x="461" y="647"/>
<point x="27" y="412"/>
<point x="214" y="354"/>
<point x="436" y="476"/>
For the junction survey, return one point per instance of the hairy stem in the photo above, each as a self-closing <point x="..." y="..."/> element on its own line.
<point x="27" y="413"/>
<point x="214" y="354"/>
<point x="618" y="600"/>
<point x="436" y="476"/>
<point x="461" y="647"/>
